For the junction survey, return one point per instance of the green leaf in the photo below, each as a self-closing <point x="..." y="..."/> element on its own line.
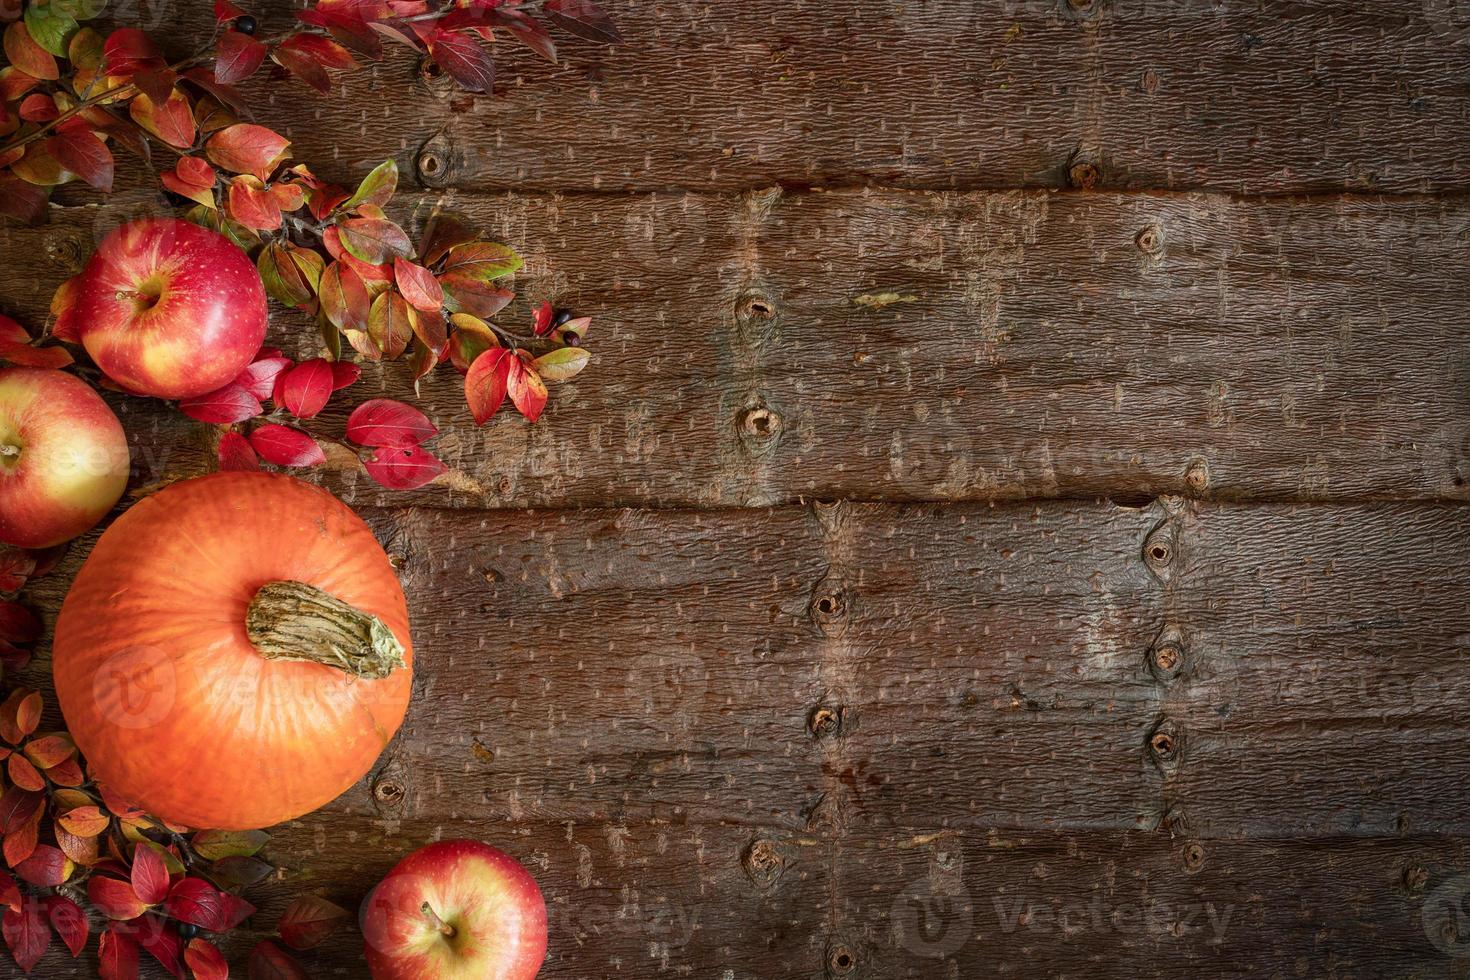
<point x="376" y="188"/>
<point x="51" y="27"/>
<point x="482" y="261"/>
<point x="239" y="871"/>
<point x="212" y="845"/>
<point x="562" y="363"/>
<point x="282" y="276"/>
<point x="374" y="240"/>
<point x="331" y="337"/>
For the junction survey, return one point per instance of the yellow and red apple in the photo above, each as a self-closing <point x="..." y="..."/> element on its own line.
<point x="455" y="909"/>
<point x="169" y="309"/>
<point x="63" y="457"/>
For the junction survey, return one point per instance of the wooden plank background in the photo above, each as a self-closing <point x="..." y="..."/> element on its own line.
<point x="951" y="360"/>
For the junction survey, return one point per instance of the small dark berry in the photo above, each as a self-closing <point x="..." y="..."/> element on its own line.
<point x="187" y="931"/>
<point x="245" y="25"/>
<point x="571" y="340"/>
<point x="562" y="316"/>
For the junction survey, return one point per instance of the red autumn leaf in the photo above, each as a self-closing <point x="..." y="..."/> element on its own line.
<point x="486" y="383"/>
<point x="544" y="316"/>
<point x="285" y="446"/>
<point x="384" y="422"/>
<point x="528" y="31"/>
<point x="323" y="50"/>
<point x="403" y="467"/>
<point x="27" y="933"/>
<point x="10" y="896"/>
<point x="157" y="84"/>
<point x="233" y="909"/>
<point x="374" y="240"/>
<point x="171" y="121"/>
<point x="585" y="19"/>
<point x="23" y="774"/>
<point x="38" y="107"/>
<point x="259" y="377"/>
<point x="194" y="172"/>
<point x="15" y="567"/>
<point x="115" y="898"/>
<point x="27" y="56"/>
<point x="235" y="454"/>
<point x="526" y="390"/>
<point x="463" y="59"/>
<point x="197" y="902"/>
<point x="389" y="326"/>
<point x="18" y="808"/>
<point x="252" y="205"/>
<point x="239" y="57"/>
<point x="270" y="962"/>
<point x="67" y="773"/>
<point x="225" y="11"/>
<point x="47" y="867"/>
<point x="304" y="67"/>
<point x="289" y="197"/>
<point x="344" y="374"/>
<point x="129" y="50"/>
<point x="21" y="842"/>
<point x="162" y="941"/>
<point x="304" y="389"/>
<point x="18" y="624"/>
<point x="224" y="406"/>
<point x="199" y="195"/>
<point x="344" y="297"/>
<point x="309" y="920"/>
<point x="247" y="149"/>
<point x="418" y="285"/>
<point x="150" y="875"/>
<point x="332" y="240"/>
<point x="69" y="921"/>
<point x="205" y="960"/>
<point x="117" y="953"/>
<point x="22" y="201"/>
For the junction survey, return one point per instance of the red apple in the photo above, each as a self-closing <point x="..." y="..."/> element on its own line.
<point x="63" y="457"/>
<point x="458" y="909"/>
<point x="170" y="309"/>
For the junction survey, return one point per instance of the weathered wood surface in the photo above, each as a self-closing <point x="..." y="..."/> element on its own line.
<point x="773" y="347"/>
<point x="931" y="739"/>
<point x="1239" y="96"/>
<point x="639" y="698"/>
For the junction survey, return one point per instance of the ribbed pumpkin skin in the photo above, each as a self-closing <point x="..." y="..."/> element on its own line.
<point x="167" y="698"/>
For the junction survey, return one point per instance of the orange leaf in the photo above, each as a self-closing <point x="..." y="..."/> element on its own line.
<point x="50" y="750"/>
<point x="172" y="122"/>
<point x="84" y="821"/>
<point x="23" y="774"/>
<point x="245" y="148"/>
<point x="486" y="383"/>
<point x="252" y="205"/>
<point x="526" y="389"/>
<point x="418" y="285"/>
<point x="28" y="56"/>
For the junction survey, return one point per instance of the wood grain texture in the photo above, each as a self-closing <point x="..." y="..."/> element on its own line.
<point x="929" y="702"/>
<point x="763" y="349"/>
<point x="1238" y="96"/>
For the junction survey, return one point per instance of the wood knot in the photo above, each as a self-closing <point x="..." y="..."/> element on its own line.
<point x="1166" y="744"/>
<point x="1150" y="241"/>
<point x="67" y="251"/>
<point x="1084" y="175"/>
<point x="759" y="428"/>
<point x="1148" y="84"/>
<point x="756" y="314"/>
<point x="825" y="722"/>
<point x="842" y="959"/>
<point x="830" y="607"/>
<point x="389" y="791"/>
<point x="764" y="862"/>
<point x="1197" y="477"/>
<point x="1193" y="856"/>
<point x="1159" y="551"/>
<point x="1166" y="659"/>
<point x="1416" y="876"/>
<point x="433" y="163"/>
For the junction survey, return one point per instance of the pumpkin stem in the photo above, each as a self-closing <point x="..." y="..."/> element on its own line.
<point x="295" y="621"/>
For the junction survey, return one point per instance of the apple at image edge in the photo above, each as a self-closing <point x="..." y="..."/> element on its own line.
<point x="455" y="909"/>
<point x="63" y="457"/>
<point x="170" y="309"/>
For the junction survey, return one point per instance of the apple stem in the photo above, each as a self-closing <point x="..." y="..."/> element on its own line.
<point x="8" y="450"/>
<point x="440" y="924"/>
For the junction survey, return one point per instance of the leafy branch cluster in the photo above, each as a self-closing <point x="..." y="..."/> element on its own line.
<point x="71" y="846"/>
<point x="69" y="93"/>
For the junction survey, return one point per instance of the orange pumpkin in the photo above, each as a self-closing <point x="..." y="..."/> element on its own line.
<point x="234" y="653"/>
